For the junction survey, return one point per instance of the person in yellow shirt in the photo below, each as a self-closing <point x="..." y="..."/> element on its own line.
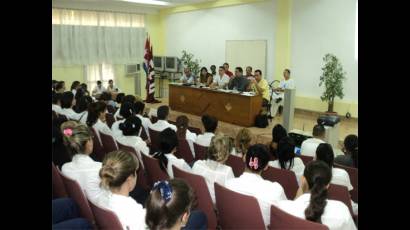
<point x="260" y="86"/>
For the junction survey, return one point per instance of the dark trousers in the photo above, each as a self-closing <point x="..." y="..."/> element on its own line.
<point x="65" y="215"/>
<point x="197" y="220"/>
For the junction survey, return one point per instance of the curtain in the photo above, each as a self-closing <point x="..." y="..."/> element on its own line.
<point x="87" y="37"/>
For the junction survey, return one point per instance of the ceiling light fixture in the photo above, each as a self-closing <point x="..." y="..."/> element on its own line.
<point x="149" y="2"/>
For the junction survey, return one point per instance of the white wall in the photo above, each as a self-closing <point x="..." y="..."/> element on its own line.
<point x="320" y="27"/>
<point x="204" y="32"/>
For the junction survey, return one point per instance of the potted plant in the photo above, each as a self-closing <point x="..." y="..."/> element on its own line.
<point x="332" y="77"/>
<point x="187" y="60"/>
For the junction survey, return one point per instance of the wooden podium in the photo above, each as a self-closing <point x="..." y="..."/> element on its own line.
<point x="288" y="108"/>
<point x="229" y="107"/>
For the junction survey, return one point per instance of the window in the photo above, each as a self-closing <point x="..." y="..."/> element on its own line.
<point x="356" y="55"/>
<point x="99" y="72"/>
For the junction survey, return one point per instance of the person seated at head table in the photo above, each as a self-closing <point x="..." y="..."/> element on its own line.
<point x="189" y="77"/>
<point x="205" y="77"/>
<point x="238" y="82"/>
<point x="220" y="80"/>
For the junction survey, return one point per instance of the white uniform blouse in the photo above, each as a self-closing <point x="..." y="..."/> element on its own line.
<point x="161" y="125"/>
<point x="179" y="163"/>
<point x="309" y="146"/>
<point x="204" y="139"/>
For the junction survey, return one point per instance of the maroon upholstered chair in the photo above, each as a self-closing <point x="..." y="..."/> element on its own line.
<point x="98" y="149"/>
<point x="286" y="178"/>
<point x="340" y="193"/>
<point x="58" y="185"/>
<point x="77" y="194"/>
<point x="202" y="193"/>
<point x="153" y="170"/>
<point x="305" y="159"/>
<point x="237" y="165"/>
<point x="353" y="174"/>
<point x="109" y="119"/>
<point x="184" y="151"/>
<point x="141" y="175"/>
<point x="108" y="141"/>
<point x="200" y="152"/>
<point x="237" y="211"/>
<point x="154" y="137"/>
<point x="282" y="220"/>
<point x="104" y="218"/>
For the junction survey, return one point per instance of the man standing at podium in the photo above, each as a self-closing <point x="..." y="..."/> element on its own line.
<point x="278" y="94"/>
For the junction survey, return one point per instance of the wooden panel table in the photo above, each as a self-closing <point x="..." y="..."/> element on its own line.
<point x="229" y="107"/>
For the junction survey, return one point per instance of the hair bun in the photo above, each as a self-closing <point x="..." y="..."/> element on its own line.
<point x="107" y="174"/>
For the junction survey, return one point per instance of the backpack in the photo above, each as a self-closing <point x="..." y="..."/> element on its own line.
<point x="261" y="121"/>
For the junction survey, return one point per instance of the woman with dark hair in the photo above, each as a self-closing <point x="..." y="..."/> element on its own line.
<point x="84" y="88"/>
<point x="205" y="77"/>
<point x="126" y="111"/>
<point x="96" y="118"/>
<point x="350" y="149"/>
<point x="67" y="103"/>
<point x="75" y="86"/>
<point x="131" y="129"/>
<point x="312" y="203"/>
<point x="278" y="132"/>
<point x="184" y="133"/>
<point x="128" y="98"/>
<point x="286" y="158"/>
<point x="168" y="142"/>
<point x="251" y="182"/>
<point x="82" y="107"/>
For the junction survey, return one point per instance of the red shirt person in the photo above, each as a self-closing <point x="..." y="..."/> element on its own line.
<point x="229" y="73"/>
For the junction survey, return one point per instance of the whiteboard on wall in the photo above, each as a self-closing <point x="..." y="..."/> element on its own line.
<point x="245" y="53"/>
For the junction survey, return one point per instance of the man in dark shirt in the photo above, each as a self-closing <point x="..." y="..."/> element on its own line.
<point x="238" y="82"/>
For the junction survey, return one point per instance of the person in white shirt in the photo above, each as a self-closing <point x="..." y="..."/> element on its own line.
<point x="127" y="110"/>
<point x="60" y="87"/>
<point x="139" y="110"/>
<point x="244" y="138"/>
<point x="220" y="80"/>
<point x="184" y="133"/>
<point x="75" y="86"/>
<point x="56" y="100"/>
<point x="278" y="94"/>
<point x="286" y="158"/>
<point x="210" y="124"/>
<point x="170" y="204"/>
<point x="119" y="176"/>
<point x="312" y="204"/>
<point x="83" y="169"/>
<point x="111" y="88"/>
<point x="82" y="107"/>
<point x="129" y="98"/>
<point x="67" y="103"/>
<point x="168" y="142"/>
<point x="324" y="152"/>
<point x="189" y="77"/>
<point x="96" y="118"/>
<point x="308" y="147"/>
<point x="251" y="183"/>
<point x="213" y="169"/>
<point x="162" y="123"/>
<point x="130" y="128"/>
<point x="98" y="90"/>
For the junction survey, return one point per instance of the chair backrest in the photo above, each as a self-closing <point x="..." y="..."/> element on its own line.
<point x="237" y="165"/>
<point x="104" y="218"/>
<point x="353" y="174"/>
<point x="141" y="177"/>
<point x="305" y="159"/>
<point x="340" y="193"/>
<point x="108" y="141"/>
<point x="110" y="119"/>
<point x="58" y="185"/>
<point x="184" y="151"/>
<point x="154" y="137"/>
<point x="246" y="215"/>
<point x="282" y="220"/>
<point x="153" y="170"/>
<point x="98" y="149"/>
<point x="284" y="177"/>
<point x="172" y="122"/>
<point x="200" y="151"/>
<point x="77" y="194"/>
<point x="202" y="193"/>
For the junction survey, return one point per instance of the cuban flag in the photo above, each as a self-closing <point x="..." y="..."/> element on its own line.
<point x="149" y="71"/>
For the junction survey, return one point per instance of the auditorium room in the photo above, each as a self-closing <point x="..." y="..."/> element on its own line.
<point x="205" y="114"/>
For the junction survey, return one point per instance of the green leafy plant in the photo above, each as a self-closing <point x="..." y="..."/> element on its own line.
<point x="332" y="77"/>
<point x="187" y="60"/>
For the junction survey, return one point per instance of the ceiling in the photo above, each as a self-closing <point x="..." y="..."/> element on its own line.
<point x="120" y="5"/>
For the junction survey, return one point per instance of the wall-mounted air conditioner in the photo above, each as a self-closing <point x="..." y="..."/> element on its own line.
<point x="132" y="69"/>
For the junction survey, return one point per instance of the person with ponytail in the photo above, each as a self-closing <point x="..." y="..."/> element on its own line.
<point x="278" y="132"/>
<point x="350" y="149"/>
<point x="78" y="140"/>
<point x="67" y="103"/>
<point x="128" y="98"/>
<point x="213" y="169"/>
<point x="145" y="121"/>
<point x="168" y="142"/>
<point x="243" y="140"/>
<point x="184" y="133"/>
<point x="169" y="206"/>
<point x="313" y="204"/>
<point x="82" y="107"/>
<point x="96" y="118"/>
<point x="286" y="158"/>
<point x="251" y="182"/>
<point x="127" y="110"/>
<point x="119" y="176"/>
